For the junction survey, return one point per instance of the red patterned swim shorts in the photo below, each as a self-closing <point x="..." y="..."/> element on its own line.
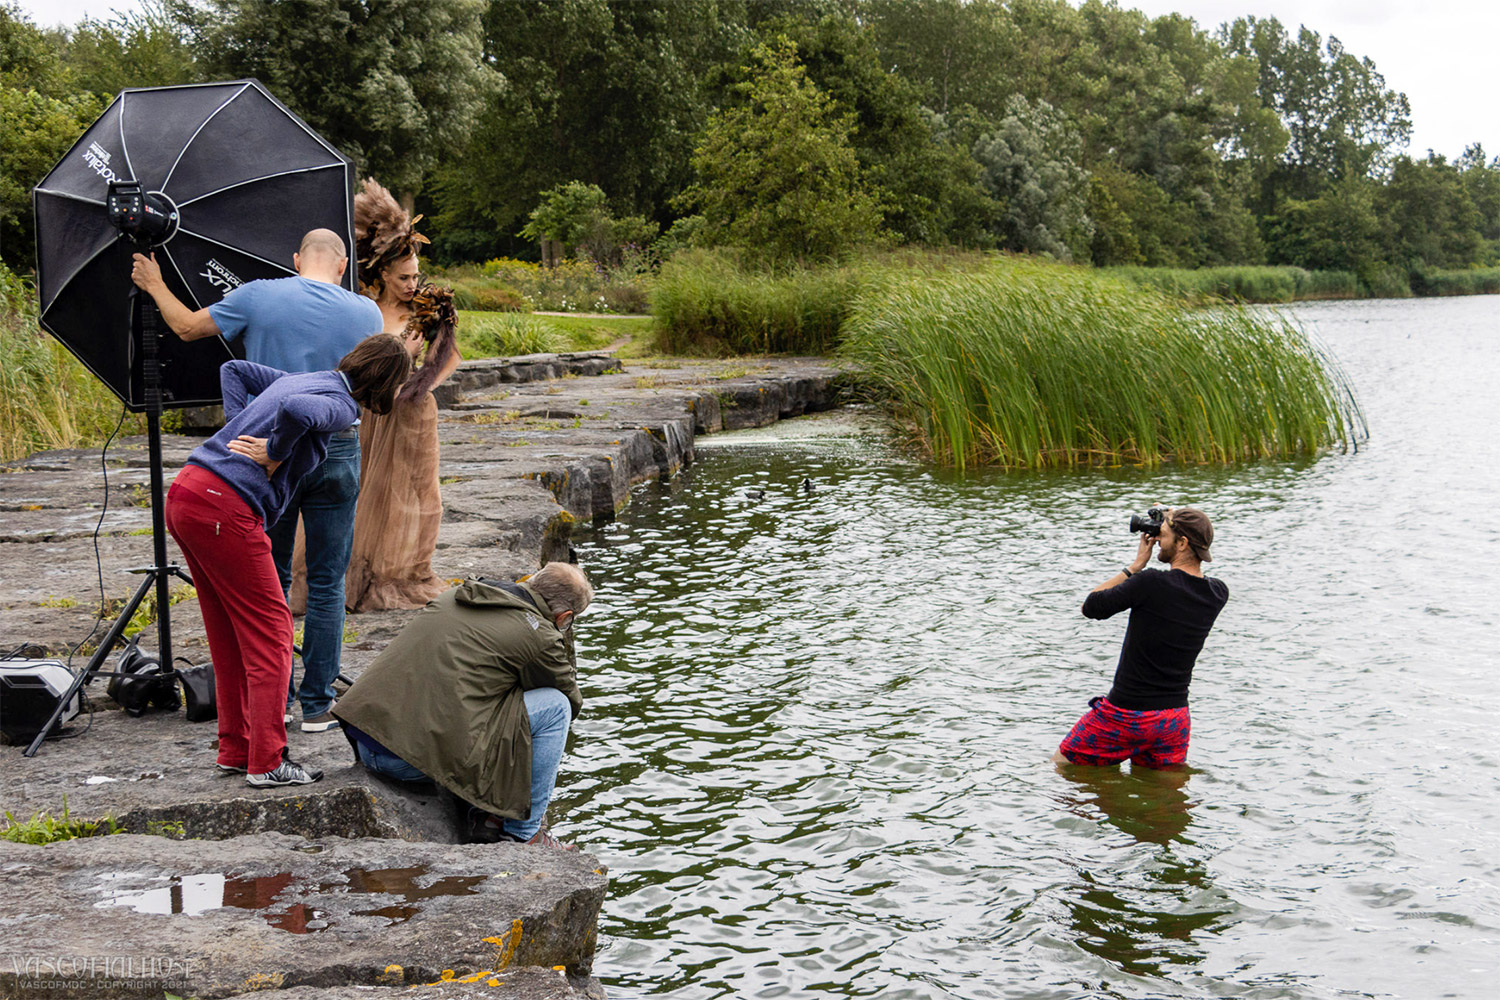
<point x="1108" y="734"/>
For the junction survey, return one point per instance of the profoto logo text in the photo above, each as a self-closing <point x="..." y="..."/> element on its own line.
<point x="98" y="158"/>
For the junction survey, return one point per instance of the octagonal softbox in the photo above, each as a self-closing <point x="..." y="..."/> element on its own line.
<point x="247" y="177"/>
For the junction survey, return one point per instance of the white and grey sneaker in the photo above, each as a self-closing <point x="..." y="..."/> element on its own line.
<point x="288" y="772"/>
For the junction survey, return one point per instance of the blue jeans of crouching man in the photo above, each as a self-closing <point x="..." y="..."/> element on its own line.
<point x="325" y="499"/>
<point x="550" y="715"/>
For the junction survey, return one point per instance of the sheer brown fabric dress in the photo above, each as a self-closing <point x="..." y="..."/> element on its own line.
<point x="400" y="510"/>
<point x="397" y="516"/>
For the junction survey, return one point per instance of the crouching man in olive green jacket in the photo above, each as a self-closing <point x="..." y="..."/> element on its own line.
<point x="476" y="694"/>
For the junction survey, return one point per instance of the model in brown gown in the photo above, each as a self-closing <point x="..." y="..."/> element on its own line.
<point x="400" y="508"/>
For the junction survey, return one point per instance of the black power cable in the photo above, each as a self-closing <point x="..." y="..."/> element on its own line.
<point x="88" y="704"/>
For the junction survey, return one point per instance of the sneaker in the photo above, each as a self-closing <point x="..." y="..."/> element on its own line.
<point x="486" y="829"/>
<point x="545" y="839"/>
<point x="288" y="772"/>
<point x="320" y="723"/>
<point x="287" y="718"/>
<point x="230" y="768"/>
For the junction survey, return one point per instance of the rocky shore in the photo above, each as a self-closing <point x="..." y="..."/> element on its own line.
<point x="355" y="884"/>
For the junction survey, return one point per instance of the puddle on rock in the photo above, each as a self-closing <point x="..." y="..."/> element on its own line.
<point x="196" y="894"/>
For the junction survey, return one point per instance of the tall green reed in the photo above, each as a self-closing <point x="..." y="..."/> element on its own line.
<point x="48" y="399"/>
<point x="1028" y="364"/>
<point x="1244" y="283"/>
<point x="705" y="303"/>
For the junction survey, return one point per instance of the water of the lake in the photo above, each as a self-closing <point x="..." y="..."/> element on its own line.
<point x="815" y="749"/>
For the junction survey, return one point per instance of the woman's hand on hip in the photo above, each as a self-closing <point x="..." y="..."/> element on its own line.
<point x="254" y="448"/>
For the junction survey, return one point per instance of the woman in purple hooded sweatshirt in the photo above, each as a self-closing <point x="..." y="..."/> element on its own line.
<point x="236" y="483"/>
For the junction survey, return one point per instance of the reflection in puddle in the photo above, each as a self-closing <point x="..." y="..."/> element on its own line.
<point x="196" y="894"/>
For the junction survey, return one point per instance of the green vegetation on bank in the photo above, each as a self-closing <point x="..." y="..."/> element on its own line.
<point x="1244" y="284"/>
<point x="500" y="335"/>
<point x="1019" y="362"/>
<point x="705" y="302"/>
<point x="48" y="399"/>
<point x="1295" y="284"/>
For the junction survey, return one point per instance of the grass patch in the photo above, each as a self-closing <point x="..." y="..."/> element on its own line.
<point x="502" y="335"/>
<point x="570" y="286"/>
<point x="593" y="333"/>
<point x="44" y="828"/>
<point x="1028" y="364"/>
<point x="145" y="612"/>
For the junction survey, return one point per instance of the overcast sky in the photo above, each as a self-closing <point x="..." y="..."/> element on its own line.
<point x="1439" y="52"/>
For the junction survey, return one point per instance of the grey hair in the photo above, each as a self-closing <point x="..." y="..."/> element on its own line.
<point x="563" y="586"/>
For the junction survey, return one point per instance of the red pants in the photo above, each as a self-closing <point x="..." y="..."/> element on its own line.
<point x="244" y="612"/>
<point x="1108" y="734"/>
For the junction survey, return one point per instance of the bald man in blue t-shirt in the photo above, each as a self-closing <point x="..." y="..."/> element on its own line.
<point x="298" y="324"/>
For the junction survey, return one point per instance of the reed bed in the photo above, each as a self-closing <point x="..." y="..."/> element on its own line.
<point x="1244" y="283"/>
<point x="48" y="399"/>
<point x="1478" y="281"/>
<point x="705" y="303"/>
<point x="1033" y="365"/>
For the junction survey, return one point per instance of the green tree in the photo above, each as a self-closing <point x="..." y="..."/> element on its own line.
<point x="1427" y="216"/>
<point x="933" y="193"/>
<point x="392" y="83"/>
<point x="1482" y="181"/>
<point x="607" y="92"/>
<point x="955" y="51"/>
<point x="142" y="48"/>
<point x="778" y="176"/>
<point x="575" y="216"/>
<point x="1337" y="231"/>
<point x="1340" y="117"/>
<point x="1030" y="161"/>
<point x="1115" y="241"/>
<point x="41" y="115"/>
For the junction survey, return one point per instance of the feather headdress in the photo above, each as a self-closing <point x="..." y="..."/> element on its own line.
<point x="383" y="234"/>
<point x="433" y="313"/>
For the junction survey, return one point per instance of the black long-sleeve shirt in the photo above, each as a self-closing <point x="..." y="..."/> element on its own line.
<point x="1171" y="613"/>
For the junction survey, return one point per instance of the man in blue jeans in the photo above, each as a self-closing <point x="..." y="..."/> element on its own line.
<point x="304" y="323"/>
<point x="477" y="694"/>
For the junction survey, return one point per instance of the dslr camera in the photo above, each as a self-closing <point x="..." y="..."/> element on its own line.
<point x="1151" y="523"/>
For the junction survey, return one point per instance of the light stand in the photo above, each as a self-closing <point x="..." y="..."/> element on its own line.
<point x="147" y="318"/>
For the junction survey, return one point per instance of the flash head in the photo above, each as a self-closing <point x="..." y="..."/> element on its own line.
<point x="147" y="219"/>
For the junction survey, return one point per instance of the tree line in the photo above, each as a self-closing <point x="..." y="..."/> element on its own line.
<point x="798" y="129"/>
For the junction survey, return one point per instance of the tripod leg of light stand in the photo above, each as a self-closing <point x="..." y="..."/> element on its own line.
<point x="157" y="574"/>
<point x="151" y="372"/>
<point x="106" y="645"/>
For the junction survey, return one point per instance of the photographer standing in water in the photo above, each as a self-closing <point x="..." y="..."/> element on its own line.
<point x="1144" y="718"/>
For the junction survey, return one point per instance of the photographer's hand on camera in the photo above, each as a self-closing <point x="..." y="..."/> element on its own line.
<point x="1144" y="550"/>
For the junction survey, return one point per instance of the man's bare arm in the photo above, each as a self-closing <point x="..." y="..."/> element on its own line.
<point x="186" y="323"/>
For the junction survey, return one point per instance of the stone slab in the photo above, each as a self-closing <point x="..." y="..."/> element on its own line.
<point x="272" y="911"/>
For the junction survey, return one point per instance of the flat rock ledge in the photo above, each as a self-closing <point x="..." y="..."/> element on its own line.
<point x="530" y="447"/>
<point x="111" y="915"/>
